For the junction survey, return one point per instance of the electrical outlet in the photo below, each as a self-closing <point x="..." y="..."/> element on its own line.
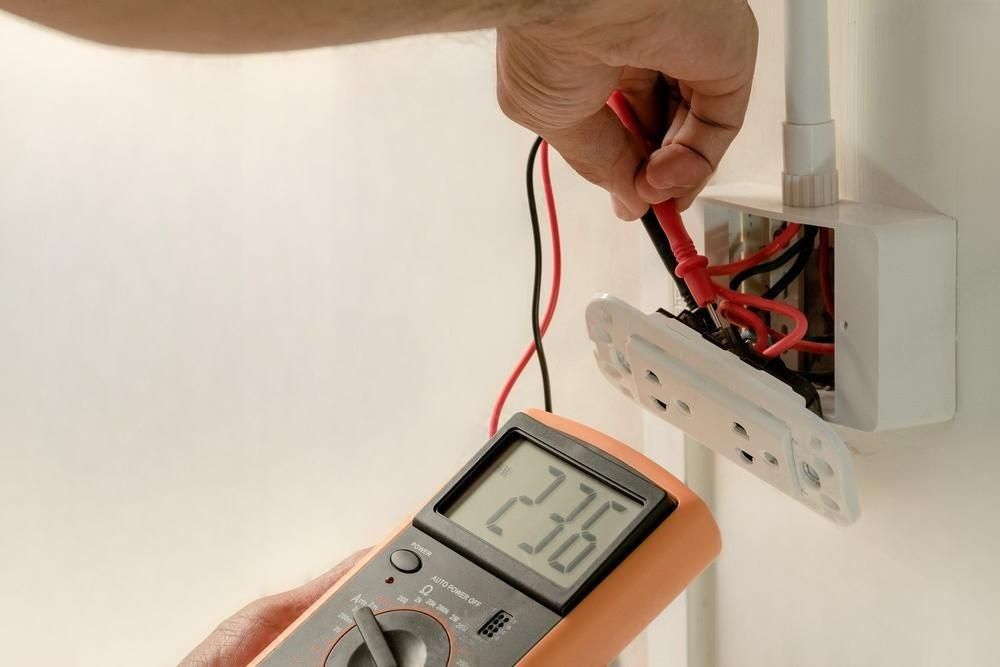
<point x="743" y="414"/>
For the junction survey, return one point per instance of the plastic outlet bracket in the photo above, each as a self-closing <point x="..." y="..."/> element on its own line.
<point x="743" y="414"/>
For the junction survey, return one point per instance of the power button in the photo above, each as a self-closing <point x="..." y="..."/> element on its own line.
<point x="405" y="560"/>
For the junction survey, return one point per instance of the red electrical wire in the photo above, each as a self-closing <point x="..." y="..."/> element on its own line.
<point x="742" y="317"/>
<point x="760" y="303"/>
<point x="780" y="242"/>
<point x="824" y="270"/>
<point x="807" y="346"/>
<point x="529" y="351"/>
<point x="748" y="319"/>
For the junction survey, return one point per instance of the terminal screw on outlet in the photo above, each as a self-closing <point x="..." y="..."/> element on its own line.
<point x="495" y="624"/>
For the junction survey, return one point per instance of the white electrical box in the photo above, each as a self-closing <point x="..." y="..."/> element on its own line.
<point x="894" y="287"/>
<point x="893" y="332"/>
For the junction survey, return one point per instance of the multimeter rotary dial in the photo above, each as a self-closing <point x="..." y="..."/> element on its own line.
<point x="401" y="638"/>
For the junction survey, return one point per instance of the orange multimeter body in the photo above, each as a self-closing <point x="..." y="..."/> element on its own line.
<point x="556" y="545"/>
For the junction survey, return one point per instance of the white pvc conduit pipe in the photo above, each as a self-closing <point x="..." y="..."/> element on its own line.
<point x="810" y="153"/>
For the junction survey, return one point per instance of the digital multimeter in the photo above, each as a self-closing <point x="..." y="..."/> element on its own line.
<point x="556" y="545"/>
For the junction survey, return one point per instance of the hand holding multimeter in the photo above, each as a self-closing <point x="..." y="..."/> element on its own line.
<point x="555" y="545"/>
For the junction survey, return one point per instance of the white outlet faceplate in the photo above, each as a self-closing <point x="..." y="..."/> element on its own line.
<point x="741" y="413"/>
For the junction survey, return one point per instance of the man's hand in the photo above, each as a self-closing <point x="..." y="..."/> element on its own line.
<point x="685" y="66"/>
<point x="241" y="637"/>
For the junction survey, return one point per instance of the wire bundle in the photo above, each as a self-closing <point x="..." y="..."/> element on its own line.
<point x="539" y="326"/>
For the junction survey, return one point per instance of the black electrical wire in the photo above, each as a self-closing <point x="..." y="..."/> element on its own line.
<point x="662" y="245"/>
<point x="766" y="267"/>
<point x="809" y="237"/>
<point x="536" y="293"/>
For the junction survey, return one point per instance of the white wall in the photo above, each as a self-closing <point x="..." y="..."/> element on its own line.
<point x="915" y="582"/>
<point x="252" y="310"/>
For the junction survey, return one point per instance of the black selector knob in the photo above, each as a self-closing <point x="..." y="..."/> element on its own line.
<point x="400" y="638"/>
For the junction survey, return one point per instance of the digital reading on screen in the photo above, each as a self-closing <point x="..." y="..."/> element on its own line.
<point x="544" y="512"/>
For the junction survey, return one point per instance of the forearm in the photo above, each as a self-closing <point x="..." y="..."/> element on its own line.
<point x="240" y="26"/>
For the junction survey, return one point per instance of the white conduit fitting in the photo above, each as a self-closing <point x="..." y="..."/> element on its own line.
<point x="810" y="153"/>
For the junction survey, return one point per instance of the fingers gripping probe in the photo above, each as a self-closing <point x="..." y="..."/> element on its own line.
<point x="692" y="267"/>
<point x="688" y="264"/>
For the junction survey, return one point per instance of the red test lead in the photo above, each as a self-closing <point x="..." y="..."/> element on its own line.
<point x="693" y="269"/>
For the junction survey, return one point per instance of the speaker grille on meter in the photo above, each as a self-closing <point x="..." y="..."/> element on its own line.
<point x="495" y="624"/>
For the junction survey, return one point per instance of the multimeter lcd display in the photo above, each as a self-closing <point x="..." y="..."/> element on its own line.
<point x="544" y="512"/>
